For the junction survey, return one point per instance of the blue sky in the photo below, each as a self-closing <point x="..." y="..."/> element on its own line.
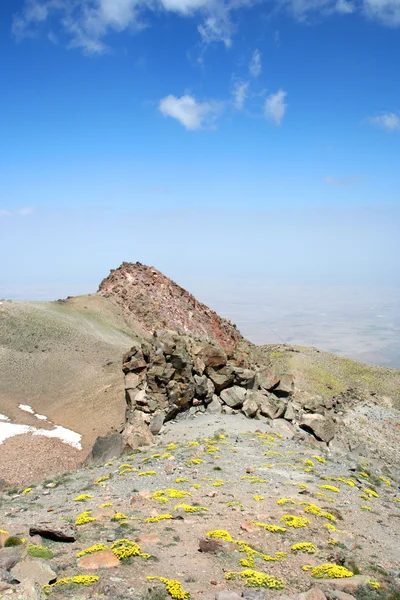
<point x="200" y="136"/>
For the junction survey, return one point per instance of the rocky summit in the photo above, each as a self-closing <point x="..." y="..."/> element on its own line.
<point x="203" y="466"/>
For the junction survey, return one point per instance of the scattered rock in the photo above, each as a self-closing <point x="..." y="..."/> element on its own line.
<point x="105" y="448"/>
<point x="285" y="386"/>
<point x="58" y="532"/>
<point x="250" y="408"/>
<point x="214" y="545"/>
<point x="322" y="427"/>
<point x="271" y="407"/>
<point x="234" y="396"/>
<point x="29" y="590"/>
<point x="212" y="356"/>
<point x="156" y="423"/>
<point x="104" y="559"/>
<point x="312" y="594"/>
<point x="254" y="594"/>
<point x="221" y="378"/>
<point x="215" y="406"/>
<point x="36" y="571"/>
<point x="9" y="557"/>
<point x="338" y="595"/>
<point x="226" y="595"/>
<point x="347" y="583"/>
<point x="136" y="433"/>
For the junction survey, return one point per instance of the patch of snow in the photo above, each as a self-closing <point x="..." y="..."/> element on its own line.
<point x="3" y="418"/>
<point x="65" y="435"/>
<point x="27" y="408"/>
<point x="41" y="417"/>
<point x="8" y="430"/>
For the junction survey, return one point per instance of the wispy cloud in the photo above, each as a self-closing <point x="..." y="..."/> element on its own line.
<point x="388" y="121"/>
<point x="25" y="211"/>
<point x="275" y="107"/>
<point x="255" y="64"/>
<point x="240" y="93"/>
<point x="190" y="113"/>
<point x="342" y="182"/>
<point x="86" y="24"/>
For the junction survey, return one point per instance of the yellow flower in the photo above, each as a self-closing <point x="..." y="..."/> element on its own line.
<point x="269" y="527"/>
<point x="77" y="579"/>
<point x="371" y="493"/>
<point x="92" y="549"/>
<point x="220" y="534"/>
<point x="84" y="518"/>
<point x="331" y="488"/>
<point x="256" y="579"/>
<point x="83" y="498"/>
<point x="101" y="479"/>
<point x="105" y="505"/>
<point x="119" y="517"/>
<point x="294" y="521"/>
<point x="285" y="501"/>
<point x="174" y="587"/>
<point x="304" y="547"/>
<point x="319" y="458"/>
<point x="181" y="479"/>
<point x="158" y="518"/>
<point x="387" y="482"/>
<point x="258" y="498"/>
<point x="374" y="584"/>
<point x="26" y="491"/>
<point x="330" y="571"/>
<point x="190" y="509"/>
<point x="144" y="473"/>
<point x="125" y="548"/>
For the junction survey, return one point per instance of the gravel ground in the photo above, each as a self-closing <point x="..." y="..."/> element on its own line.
<point x="238" y="475"/>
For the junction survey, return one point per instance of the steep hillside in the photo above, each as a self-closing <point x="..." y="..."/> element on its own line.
<point x="159" y="303"/>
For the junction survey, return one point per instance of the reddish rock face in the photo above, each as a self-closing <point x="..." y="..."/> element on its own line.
<point x="159" y="303"/>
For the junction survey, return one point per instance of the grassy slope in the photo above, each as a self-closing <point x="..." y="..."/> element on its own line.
<point x="326" y="374"/>
<point x="54" y="356"/>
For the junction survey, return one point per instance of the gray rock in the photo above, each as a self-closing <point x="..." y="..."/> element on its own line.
<point x="53" y="530"/>
<point x="36" y="571"/>
<point x="136" y="432"/>
<point x="234" y="396"/>
<point x="322" y="427"/>
<point x="105" y="448"/>
<point x="290" y="413"/>
<point x="285" y="386"/>
<point x="204" y="387"/>
<point x="215" y="406"/>
<point x="284" y="428"/>
<point x="267" y="380"/>
<point x="156" y="423"/>
<point x="338" y="595"/>
<point x="312" y="594"/>
<point x="254" y="594"/>
<point x="180" y="393"/>
<point x="271" y="407"/>
<point x="213" y="545"/>
<point x="134" y="380"/>
<point x="227" y="595"/>
<point x="30" y="591"/>
<point x="244" y="377"/>
<point x="9" y="557"/>
<point x="221" y="377"/>
<point x="6" y="576"/>
<point x="212" y="356"/>
<point x="249" y="408"/>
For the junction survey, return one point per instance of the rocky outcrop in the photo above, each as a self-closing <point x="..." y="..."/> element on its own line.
<point x="156" y="302"/>
<point x="174" y="373"/>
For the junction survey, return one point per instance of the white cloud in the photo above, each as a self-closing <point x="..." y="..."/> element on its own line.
<point x="25" y="211"/>
<point x="87" y="23"/>
<point x="385" y="11"/>
<point x="190" y="113"/>
<point x="255" y="64"/>
<point x="275" y="107"/>
<point x="240" y="93"/>
<point x="345" y="181"/>
<point x="388" y="121"/>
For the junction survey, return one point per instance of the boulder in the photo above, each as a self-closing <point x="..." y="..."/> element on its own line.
<point x="136" y="432"/>
<point x="221" y="377"/>
<point x="37" y="571"/>
<point x="347" y="583"/>
<point x="290" y="413"/>
<point x="104" y="559"/>
<point x="322" y="427"/>
<point x="214" y="545"/>
<point x="30" y="590"/>
<point x="180" y="393"/>
<point x="249" y="408"/>
<point x="105" y="448"/>
<point x="215" y="406"/>
<point x="56" y="531"/>
<point x="284" y="428"/>
<point x="254" y="594"/>
<point x="212" y="356"/>
<point x="244" y="377"/>
<point x="134" y="380"/>
<point x="156" y="423"/>
<point x="9" y="557"/>
<point x="271" y="407"/>
<point x="234" y="396"/>
<point x="267" y="380"/>
<point x="285" y="386"/>
<point x="312" y="594"/>
<point x="204" y="387"/>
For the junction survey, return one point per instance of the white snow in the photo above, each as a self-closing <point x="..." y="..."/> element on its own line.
<point x="65" y="435"/>
<point x="27" y="408"/>
<point x="8" y="430"/>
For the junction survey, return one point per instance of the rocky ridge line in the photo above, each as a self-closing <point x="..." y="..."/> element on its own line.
<point x="157" y="302"/>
